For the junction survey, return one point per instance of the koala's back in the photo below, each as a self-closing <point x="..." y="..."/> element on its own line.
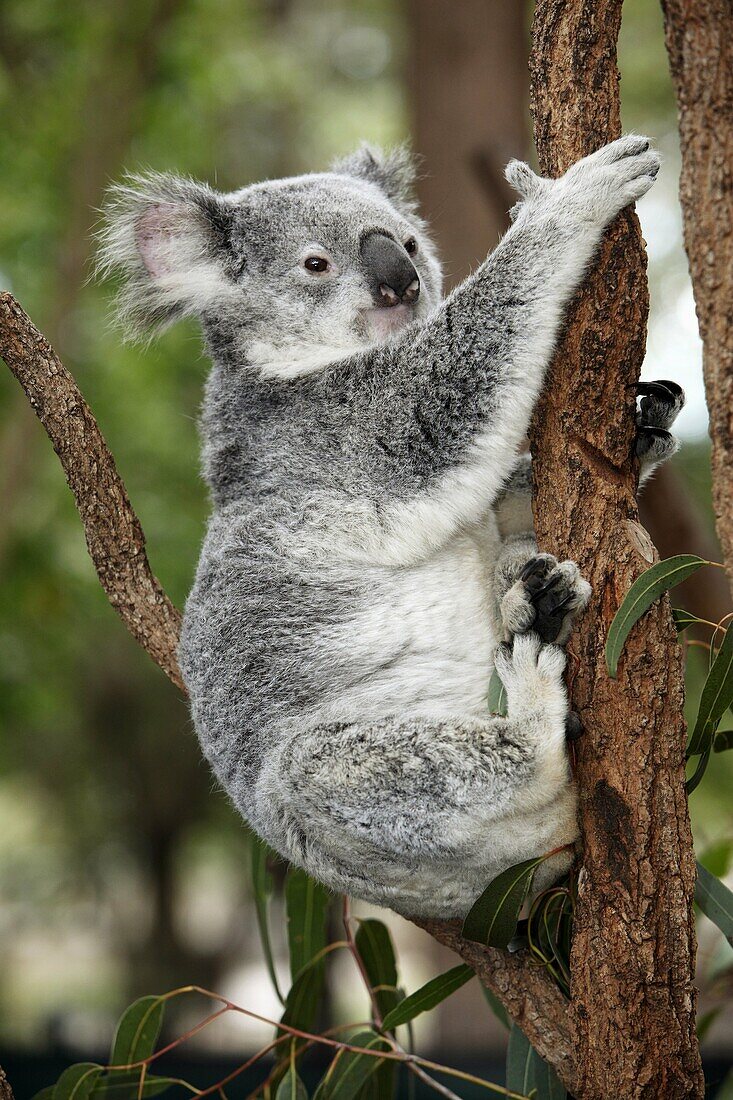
<point x="276" y="640"/>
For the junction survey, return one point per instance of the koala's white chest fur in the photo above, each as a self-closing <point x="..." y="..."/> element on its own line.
<point x="428" y="640"/>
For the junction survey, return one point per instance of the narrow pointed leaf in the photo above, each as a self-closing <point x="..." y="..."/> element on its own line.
<point x="374" y="944"/>
<point x="545" y="1081"/>
<point x="301" y="1003"/>
<point x="44" y="1094"/>
<point x="715" y="900"/>
<point x="716" y="697"/>
<point x="428" y="996"/>
<point x="126" y="1086"/>
<point x="723" y="741"/>
<point x="306" y="902"/>
<point x="349" y="1071"/>
<point x="291" y="1087"/>
<point x="77" y="1082"/>
<point x="493" y="918"/>
<point x="518" y="1062"/>
<point x="137" y="1032"/>
<point x="644" y="591"/>
<point x="702" y="766"/>
<point x="381" y="1084"/>
<point x="262" y="888"/>
<point x="497" y="695"/>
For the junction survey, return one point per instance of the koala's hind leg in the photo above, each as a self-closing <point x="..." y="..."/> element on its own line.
<point x="421" y="813"/>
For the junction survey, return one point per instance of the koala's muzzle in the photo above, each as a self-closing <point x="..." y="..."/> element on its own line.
<point x="392" y="277"/>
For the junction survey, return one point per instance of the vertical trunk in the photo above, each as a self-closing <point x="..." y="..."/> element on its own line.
<point x="468" y="83"/>
<point x="634" y="944"/>
<point x="700" y="45"/>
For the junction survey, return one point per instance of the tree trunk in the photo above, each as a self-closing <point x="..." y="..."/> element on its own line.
<point x="699" y="37"/>
<point x="634" y="944"/>
<point x="468" y="85"/>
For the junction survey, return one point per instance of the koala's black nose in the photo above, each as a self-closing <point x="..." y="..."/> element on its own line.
<point x="391" y="274"/>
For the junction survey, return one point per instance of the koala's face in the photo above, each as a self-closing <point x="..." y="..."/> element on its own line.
<point x="294" y="272"/>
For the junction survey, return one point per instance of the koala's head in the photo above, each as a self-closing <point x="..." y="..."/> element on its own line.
<point x="291" y="273"/>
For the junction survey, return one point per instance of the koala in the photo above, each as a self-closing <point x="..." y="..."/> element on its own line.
<point x="370" y="558"/>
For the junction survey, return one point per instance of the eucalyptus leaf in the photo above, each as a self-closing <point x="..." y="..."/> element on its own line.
<point x="723" y="741"/>
<point x="45" y="1093"/>
<point x="519" y="1073"/>
<point x="702" y="765"/>
<point x="374" y="944"/>
<point x="306" y="903"/>
<point x="716" y="697"/>
<point x="428" y="996"/>
<point x="497" y="695"/>
<point x="262" y="889"/>
<point x="291" y="1087"/>
<point x="349" y="1071"/>
<point x="301" y="1003"/>
<point x="715" y="900"/>
<point x="137" y="1031"/>
<point x="493" y="917"/>
<point x="647" y="588"/>
<point x="77" y="1082"/>
<point x="126" y="1086"/>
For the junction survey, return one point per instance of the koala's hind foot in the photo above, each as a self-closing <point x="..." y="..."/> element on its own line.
<point x="546" y="598"/>
<point x="660" y="404"/>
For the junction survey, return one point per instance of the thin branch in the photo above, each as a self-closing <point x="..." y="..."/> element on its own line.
<point x="113" y="532"/>
<point x="117" y="547"/>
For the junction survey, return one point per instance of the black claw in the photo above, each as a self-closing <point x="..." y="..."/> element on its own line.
<point x="661" y="388"/>
<point x="535" y="567"/>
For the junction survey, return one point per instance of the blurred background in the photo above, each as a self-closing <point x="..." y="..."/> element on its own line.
<point x="122" y="869"/>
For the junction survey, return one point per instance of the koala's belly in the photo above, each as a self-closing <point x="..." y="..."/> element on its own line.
<point x="426" y="643"/>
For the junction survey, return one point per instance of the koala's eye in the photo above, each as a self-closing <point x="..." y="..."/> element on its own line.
<point x="317" y="264"/>
<point x="410" y="246"/>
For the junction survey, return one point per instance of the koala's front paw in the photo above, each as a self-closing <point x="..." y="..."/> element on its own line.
<point x="600" y="185"/>
<point x="660" y="404"/>
<point x="546" y="598"/>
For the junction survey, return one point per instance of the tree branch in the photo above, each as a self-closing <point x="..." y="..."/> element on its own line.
<point x="634" y="943"/>
<point x="117" y="547"/>
<point x="699" y="36"/>
<point x="114" y="536"/>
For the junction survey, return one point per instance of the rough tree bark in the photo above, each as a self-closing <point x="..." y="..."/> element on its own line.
<point x="634" y="945"/>
<point x="699" y="36"/>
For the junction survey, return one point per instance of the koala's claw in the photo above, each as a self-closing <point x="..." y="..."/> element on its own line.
<point x="660" y="404"/>
<point x="545" y="598"/>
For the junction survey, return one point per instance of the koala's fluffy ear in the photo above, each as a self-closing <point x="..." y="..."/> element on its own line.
<point x="169" y="239"/>
<point x="393" y="171"/>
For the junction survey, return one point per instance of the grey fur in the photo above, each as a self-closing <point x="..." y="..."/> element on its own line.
<point x="352" y="588"/>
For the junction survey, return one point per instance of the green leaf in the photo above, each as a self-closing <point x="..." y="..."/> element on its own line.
<point x="126" y="1086"/>
<point x="374" y="944"/>
<point x="683" y="619"/>
<point x="306" y="902"/>
<point x="527" y="1073"/>
<point x="77" y="1082"/>
<point x="428" y="996"/>
<point x="291" y="1087"/>
<point x="702" y="764"/>
<point x="137" y="1032"/>
<point x="301" y="1003"/>
<point x="716" y="697"/>
<point x="262" y="887"/>
<point x="381" y="1084"/>
<point x="715" y="900"/>
<point x="644" y="591"/>
<point x="349" y="1071"/>
<point x="493" y="917"/>
<point x="45" y="1094"/>
<point x="723" y="741"/>
<point x="497" y="695"/>
<point x="496" y="1007"/>
<point x="519" y="1062"/>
